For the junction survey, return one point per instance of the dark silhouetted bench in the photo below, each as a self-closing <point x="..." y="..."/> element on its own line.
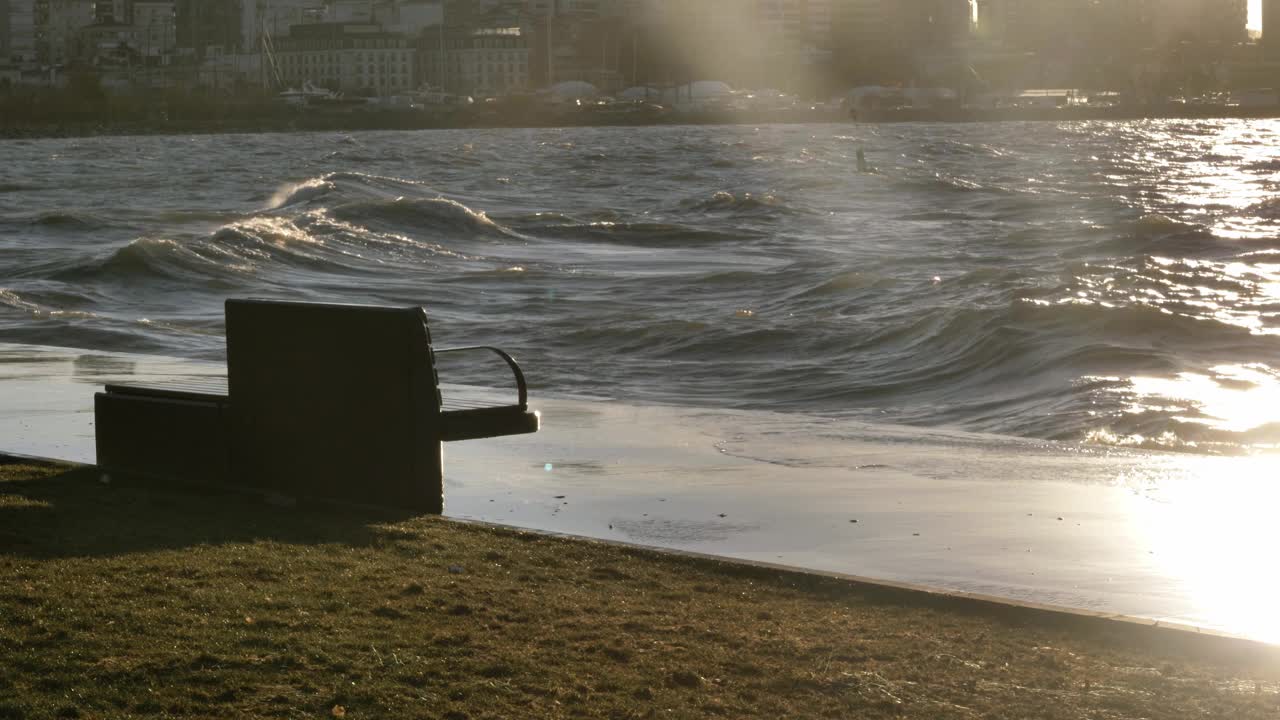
<point x="340" y="402"/>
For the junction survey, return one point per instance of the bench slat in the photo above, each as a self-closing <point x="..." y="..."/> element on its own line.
<point x="214" y="389"/>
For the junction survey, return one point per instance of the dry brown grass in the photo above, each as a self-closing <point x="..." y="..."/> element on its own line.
<point x="131" y="601"/>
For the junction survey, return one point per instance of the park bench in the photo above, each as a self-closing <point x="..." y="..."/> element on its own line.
<point x="339" y="402"/>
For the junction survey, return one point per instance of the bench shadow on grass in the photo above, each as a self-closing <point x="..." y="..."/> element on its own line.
<point x="73" y="513"/>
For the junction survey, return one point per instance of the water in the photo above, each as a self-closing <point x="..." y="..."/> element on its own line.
<point x="1113" y="283"/>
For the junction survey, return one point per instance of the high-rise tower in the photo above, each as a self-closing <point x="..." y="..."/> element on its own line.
<point x="1271" y="29"/>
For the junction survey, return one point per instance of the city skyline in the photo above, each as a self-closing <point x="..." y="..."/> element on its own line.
<point x="491" y="48"/>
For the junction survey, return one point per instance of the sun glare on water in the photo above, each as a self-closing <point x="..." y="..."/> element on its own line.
<point x="1214" y="532"/>
<point x="1237" y="398"/>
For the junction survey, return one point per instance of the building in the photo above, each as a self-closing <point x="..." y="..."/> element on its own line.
<point x="20" y="32"/>
<point x="1110" y="26"/>
<point x="353" y="11"/>
<point x="935" y="26"/>
<point x="1223" y="22"/>
<point x="109" y="45"/>
<point x="879" y="41"/>
<point x="864" y="29"/>
<point x="476" y="61"/>
<point x="207" y="27"/>
<point x="157" y="26"/>
<point x="4" y="32"/>
<point x="112" y="12"/>
<point x="583" y="47"/>
<point x="1271" y="29"/>
<point x="486" y="13"/>
<point x="59" y="23"/>
<point x="1202" y="22"/>
<point x="354" y="58"/>
<point x="412" y="18"/>
<point x="793" y="23"/>
<point x="266" y="19"/>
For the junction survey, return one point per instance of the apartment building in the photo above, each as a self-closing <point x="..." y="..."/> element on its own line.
<point x="355" y="58"/>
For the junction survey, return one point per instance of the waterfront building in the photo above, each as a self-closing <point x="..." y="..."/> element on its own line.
<point x="881" y="40"/>
<point x="109" y="44"/>
<point x="58" y="27"/>
<point x="582" y="48"/>
<point x="19" y="32"/>
<point x="208" y="27"/>
<point x="412" y="18"/>
<point x="112" y="12"/>
<point x="157" y="30"/>
<point x="746" y="43"/>
<point x="793" y="23"/>
<point x="4" y="33"/>
<point x="355" y="58"/>
<point x="273" y="18"/>
<point x="1203" y="22"/>
<point x="1271" y="29"/>
<point x="476" y="61"/>
<point x="352" y="11"/>
<point x="1027" y="24"/>
<point x="1089" y="27"/>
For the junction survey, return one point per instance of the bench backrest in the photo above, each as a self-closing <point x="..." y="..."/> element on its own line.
<point x="336" y="401"/>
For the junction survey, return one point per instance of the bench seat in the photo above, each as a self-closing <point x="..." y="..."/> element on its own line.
<point x="462" y="419"/>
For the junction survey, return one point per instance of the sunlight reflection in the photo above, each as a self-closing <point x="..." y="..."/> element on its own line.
<point x="1232" y="173"/>
<point x="1215" y="532"/>
<point x="1237" y="398"/>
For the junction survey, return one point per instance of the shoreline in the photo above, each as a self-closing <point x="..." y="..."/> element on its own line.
<point x="395" y="120"/>
<point x="137" y="598"/>
<point x="1094" y="528"/>
<point x="1171" y="633"/>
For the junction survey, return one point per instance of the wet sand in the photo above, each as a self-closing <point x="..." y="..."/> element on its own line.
<point x="1168" y="537"/>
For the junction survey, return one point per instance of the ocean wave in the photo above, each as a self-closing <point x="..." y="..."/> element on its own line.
<point x="852" y="281"/>
<point x="422" y="216"/>
<point x="1159" y="224"/>
<point x="1122" y="324"/>
<point x="67" y="220"/>
<point x="14" y="301"/>
<point x="743" y="205"/>
<point x="343" y="186"/>
<point x="303" y="192"/>
<point x="158" y="259"/>
<point x="645" y="234"/>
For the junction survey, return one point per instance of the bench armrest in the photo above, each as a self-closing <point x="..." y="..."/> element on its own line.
<point x="521" y="389"/>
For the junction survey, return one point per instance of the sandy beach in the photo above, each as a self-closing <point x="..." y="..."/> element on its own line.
<point x="1103" y="530"/>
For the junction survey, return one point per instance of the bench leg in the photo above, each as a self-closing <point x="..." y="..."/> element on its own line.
<point x="432" y="479"/>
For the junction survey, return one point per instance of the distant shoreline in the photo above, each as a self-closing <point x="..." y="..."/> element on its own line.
<point x="393" y="120"/>
<point x="406" y="120"/>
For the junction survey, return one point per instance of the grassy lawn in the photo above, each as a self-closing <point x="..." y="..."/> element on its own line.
<point x="123" y="600"/>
